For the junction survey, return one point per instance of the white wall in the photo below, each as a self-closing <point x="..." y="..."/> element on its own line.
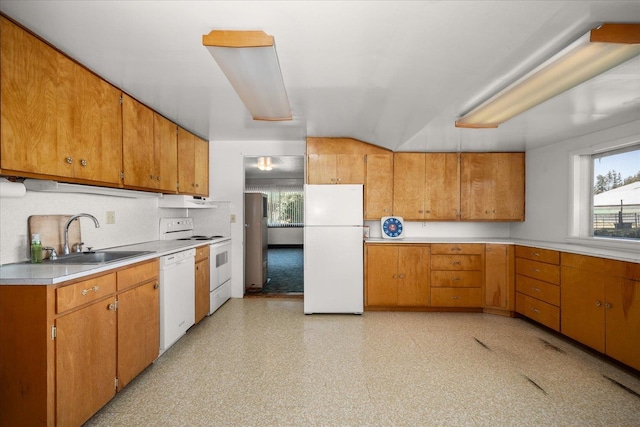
<point x="226" y="175"/>
<point x="549" y="183"/>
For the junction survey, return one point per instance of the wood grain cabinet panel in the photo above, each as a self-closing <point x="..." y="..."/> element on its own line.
<point x="408" y="185"/>
<point x="165" y="149"/>
<point x="397" y="275"/>
<point x="457" y="275"/>
<point x="138" y="144"/>
<point x="202" y="301"/>
<point x="193" y="164"/>
<point x="492" y="186"/>
<point x="336" y="168"/>
<point x="540" y="311"/>
<point x="59" y="120"/>
<point x="499" y="291"/>
<point x="378" y="186"/>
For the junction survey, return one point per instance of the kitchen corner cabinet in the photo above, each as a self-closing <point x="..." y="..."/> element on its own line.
<point x="457" y="274"/>
<point x="396" y="275"/>
<point x="378" y="186"/>
<point x="59" y="120"/>
<point x="202" y="282"/>
<point x="335" y="168"/>
<point x="499" y="283"/>
<point x="63" y="362"/>
<point x="193" y="164"/>
<point x="150" y="153"/>
<point x="492" y="186"/>
<point x="601" y="306"/>
<point x="426" y="186"/>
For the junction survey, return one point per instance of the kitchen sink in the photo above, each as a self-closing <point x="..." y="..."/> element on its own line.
<point x="95" y="257"/>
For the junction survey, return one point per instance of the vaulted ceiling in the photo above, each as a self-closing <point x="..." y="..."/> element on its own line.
<point x="393" y="73"/>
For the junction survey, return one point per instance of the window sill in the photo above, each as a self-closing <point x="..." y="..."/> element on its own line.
<point x="605" y="243"/>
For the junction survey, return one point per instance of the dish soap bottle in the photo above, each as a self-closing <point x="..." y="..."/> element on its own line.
<point x="36" y="249"/>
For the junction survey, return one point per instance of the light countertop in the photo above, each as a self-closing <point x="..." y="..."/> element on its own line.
<point x="50" y="274"/>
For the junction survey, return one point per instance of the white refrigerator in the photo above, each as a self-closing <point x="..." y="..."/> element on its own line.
<point x="333" y="249"/>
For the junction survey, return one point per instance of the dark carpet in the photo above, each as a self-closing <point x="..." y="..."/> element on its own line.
<point x="285" y="271"/>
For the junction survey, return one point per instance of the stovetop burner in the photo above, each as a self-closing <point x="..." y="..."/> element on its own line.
<point x="200" y="238"/>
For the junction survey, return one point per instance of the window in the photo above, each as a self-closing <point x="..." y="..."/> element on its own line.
<point x="616" y="194"/>
<point x="285" y="207"/>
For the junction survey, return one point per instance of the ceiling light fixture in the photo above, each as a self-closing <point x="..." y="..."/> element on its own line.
<point x="249" y="61"/>
<point x="592" y="54"/>
<point x="264" y="163"/>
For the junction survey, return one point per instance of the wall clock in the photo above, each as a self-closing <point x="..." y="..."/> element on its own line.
<point x="392" y="227"/>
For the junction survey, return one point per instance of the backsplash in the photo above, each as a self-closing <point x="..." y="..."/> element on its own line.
<point x="136" y="220"/>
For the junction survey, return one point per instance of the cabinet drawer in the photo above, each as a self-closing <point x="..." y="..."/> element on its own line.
<point x="457" y="248"/>
<point x="547" y="314"/>
<point x="138" y="274"/>
<point x="202" y="252"/>
<point x="456" y="297"/>
<point x="599" y="265"/>
<point x="456" y="262"/>
<point x="456" y="279"/>
<point x="544" y="291"/>
<point x="536" y="254"/>
<point x="71" y="296"/>
<point x="538" y="270"/>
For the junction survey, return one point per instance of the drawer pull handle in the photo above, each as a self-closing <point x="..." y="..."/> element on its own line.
<point x="456" y="249"/>
<point x="456" y="297"/>
<point x="86" y="291"/>
<point x="535" y="289"/>
<point x="535" y="254"/>
<point x="455" y="262"/>
<point x="598" y="303"/>
<point x="535" y="310"/>
<point x="456" y="279"/>
<point x="535" y="270"/>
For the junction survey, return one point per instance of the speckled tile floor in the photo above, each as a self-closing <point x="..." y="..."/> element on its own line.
<point x="261" y="362"/>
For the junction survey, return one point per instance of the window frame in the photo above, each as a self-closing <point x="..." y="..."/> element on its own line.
<point x="581" y="195"/>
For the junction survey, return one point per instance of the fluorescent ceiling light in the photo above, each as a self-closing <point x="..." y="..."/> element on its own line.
<point x="249" y="61"/>
<point x="592" y="54"/>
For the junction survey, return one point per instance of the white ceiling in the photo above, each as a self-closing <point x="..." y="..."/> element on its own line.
<point x="393" y="73"/>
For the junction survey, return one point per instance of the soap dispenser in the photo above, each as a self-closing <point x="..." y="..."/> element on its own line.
<point x="36" y="249"/>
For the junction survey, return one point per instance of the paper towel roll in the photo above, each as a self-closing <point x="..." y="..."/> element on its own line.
<point x="11" y="189"/>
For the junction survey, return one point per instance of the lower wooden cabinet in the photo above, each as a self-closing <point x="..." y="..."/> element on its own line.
<point x="76" y="344"/>
<point x="601" y="306"/>
<point x="397" y="275"/>
<point x="499" y="282"/>
<point x="457" y="275"/>
<point x="202" y="282"/>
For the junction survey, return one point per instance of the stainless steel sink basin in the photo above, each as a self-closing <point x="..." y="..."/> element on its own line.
<point x="97" y="257"/>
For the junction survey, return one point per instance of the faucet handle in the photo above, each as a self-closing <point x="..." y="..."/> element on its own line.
<point x="78" y="246"/>
<point x="53" y="255"/>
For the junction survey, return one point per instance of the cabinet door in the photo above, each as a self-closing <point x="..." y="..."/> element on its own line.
<point x="138" y="330"/>
<point x="413" y="275"/>
<point x="499" y="283"/>
<point x="36" y="85"/>
<point x="378" y="187"/>
<point x="623" y="321"/>
<point x="350" y="169"/>
<point x="321" y="169"/>
<point x="202" y="289"/>
<point x="508" y="186"/>
<point x="186" y="161"/>
<point x="138" y="156"/>
<point x="165" y="136"/>
<point x="476" y="186"/>
<point x="382" y="275"/>
<point x="201" y="167"/>
<point x="408" y="185"/>
<point x="85" y="362"/>
<point x="582" y="306"/>
<point x="442" y="186"/>
<point x="97" y="128"/>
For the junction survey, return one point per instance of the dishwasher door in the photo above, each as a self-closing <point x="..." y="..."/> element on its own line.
<point x="177" y="296"/>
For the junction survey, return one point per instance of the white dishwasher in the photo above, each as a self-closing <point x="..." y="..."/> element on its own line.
<point x="177" y="296"/>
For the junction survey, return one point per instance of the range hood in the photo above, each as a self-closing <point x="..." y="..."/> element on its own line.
<point x="182" y="201"/>
<point x="62" y="187"/>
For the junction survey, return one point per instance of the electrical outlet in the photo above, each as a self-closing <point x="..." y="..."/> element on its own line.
<point x="233" y="217"/>
<point x="111" y="217"/>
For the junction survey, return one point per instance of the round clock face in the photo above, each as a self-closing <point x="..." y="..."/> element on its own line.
<point x="392" y="227"/>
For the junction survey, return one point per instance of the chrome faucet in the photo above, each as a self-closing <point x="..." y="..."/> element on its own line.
<point x="65" y="248"/>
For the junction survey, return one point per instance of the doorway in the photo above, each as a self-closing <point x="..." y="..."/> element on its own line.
<point x="280" y="181"/>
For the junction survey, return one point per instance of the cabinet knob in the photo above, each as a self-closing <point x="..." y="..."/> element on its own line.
<point x="598" y="303"/>
<point x="111" y="306"/>
<point x="535" y="310"/>
<point x="152" y="177"/>
<point x="155" y="285"/>
<point x="69" y="160"/>
<point x="455" y="262"/>
<point x="535" y="289"/>
<point x="395" y="276"/>
<point x="428" y="211"/>
<point x="158" y="178"/>
<point x="401" y="276"/>
<point x="607" y="306"/>
<point x="455" y="279"/>
<point x="535" y="254"/>
<point x="83" y="162"/>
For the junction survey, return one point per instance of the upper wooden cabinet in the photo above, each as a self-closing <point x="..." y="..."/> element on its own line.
<point x="426" y="186"/>
<point x="150" y="159"/>
<point x="378" y="186"/>
<point x="193" y="164"/>
<point x="336" y="168"/>
<point x="492" y="186"/>
<point x="58" y="119"/>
